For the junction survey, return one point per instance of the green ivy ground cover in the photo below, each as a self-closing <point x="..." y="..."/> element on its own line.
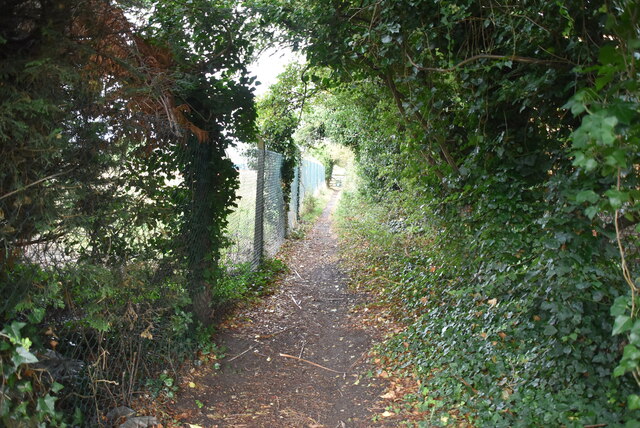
<point x="505" y="326"/>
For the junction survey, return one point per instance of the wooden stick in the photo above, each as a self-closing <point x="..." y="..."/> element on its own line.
<point x="488" y="56"/>
<point x="296" y="272"/>
<point x="310" y="362"/>
<point x="113" y="382"/>
<point x="269" y="336"/>
<point x="294" y="301"/>
<point x="241" y="354"/>
<point x="360" y="358"/>
<point x="50" y="177"/>
<point x="475" y="391"/>
<point x="302" y="349"/>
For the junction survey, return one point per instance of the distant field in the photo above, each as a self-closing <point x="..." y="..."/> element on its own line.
<point x="241" y="221"/>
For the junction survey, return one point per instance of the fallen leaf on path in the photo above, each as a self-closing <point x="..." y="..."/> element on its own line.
<point x="389" y="395"/>
<point x="183" y="415"/>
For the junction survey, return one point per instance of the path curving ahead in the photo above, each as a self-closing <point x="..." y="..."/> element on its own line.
<point x="321" y="379"/>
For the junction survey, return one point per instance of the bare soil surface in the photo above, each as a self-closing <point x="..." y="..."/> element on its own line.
<point x="299" y="358"/>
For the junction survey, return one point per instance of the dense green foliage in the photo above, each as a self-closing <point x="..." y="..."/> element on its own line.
<point x="605" y="145"/>
<point x="505" y="201"/>
<point x="497" y="140"/>
<point x="494" y="330"/>
<point x="114" y="191"/>
<point x="279" y="112"/>
<point x="312" y="135"/>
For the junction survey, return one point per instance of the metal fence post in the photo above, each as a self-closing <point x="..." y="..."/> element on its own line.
<point x="258" y="228"/>
<point x="299" y="199"/>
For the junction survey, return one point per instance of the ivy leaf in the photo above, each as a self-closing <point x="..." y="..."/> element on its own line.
<point x="631" y="352"/>
<point x="47" y="405"/>
<point x="620" y="306"/>
<point x="598" y="128"/>
<point x="591" y="212"/>
<point x="616" y="198"/>
<point x="386" y="39"/>
<point x="624" y="111"/>
<point x="633" y="402"/>
<point x="13" y="331"/>
<point x="622" y="368"/>
<point x="605" y="77"/>
<point x="590" y="164"/>
<point x="575" y="105"/>
<point x="634" y="334"/>
<point x="587" y="196"/>
<point x="36" y="315"/>
<point x="25" y="387"/>
<point x="610" y="55"/>
<point x="22" y="356"/>
<point x="621" y="324"/>
<point x="616" y="159"/>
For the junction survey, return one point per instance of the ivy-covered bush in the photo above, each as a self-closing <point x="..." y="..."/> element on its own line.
<point x="114" y="193"/>
<point x="505" y="323"/>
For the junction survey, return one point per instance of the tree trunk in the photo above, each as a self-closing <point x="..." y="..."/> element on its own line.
<point x="198" y="236"/>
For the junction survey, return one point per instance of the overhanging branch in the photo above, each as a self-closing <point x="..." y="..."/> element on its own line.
<point x="515" y="58"/>
<point x="42" y="180"/>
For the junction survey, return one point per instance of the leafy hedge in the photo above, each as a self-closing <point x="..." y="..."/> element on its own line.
<point x="506" y="324"/>
<point x="114" y="194"/>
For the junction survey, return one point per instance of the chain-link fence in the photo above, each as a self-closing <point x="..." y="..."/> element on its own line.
<point x="311" y="178"/>
<point x="262" y="219"/>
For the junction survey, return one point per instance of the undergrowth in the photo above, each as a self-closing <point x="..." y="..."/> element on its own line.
<point x="244" y="283"/>
<point x="142" y="329"/>
<point x="506" y="323"/>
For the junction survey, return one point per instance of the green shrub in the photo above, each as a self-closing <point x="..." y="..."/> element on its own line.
<point x="26" y="399"/>
<point x="243" y="282"/>
<point x="506" y="320"/>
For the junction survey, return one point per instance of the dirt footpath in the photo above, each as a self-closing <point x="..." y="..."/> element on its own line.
<point x="299" y="358"/>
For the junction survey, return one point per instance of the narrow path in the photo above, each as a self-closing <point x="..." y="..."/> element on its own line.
<point x="322" y="381"/>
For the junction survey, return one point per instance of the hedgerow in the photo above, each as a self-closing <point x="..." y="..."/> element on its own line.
<point x="114" y="194"/>
<point x="496" y="328"/>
